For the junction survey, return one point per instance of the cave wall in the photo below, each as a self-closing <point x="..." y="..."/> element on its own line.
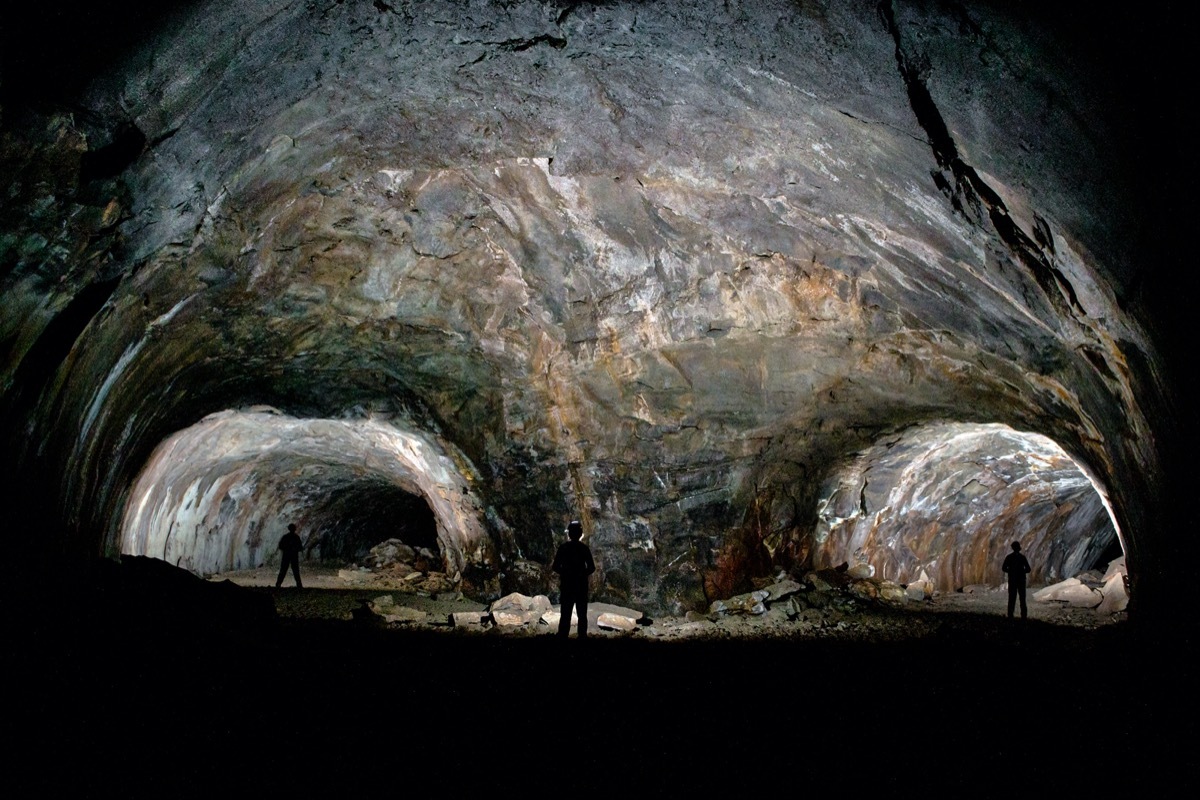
<point x="662" y="266"/>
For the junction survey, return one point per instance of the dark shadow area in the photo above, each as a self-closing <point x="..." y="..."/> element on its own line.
<point x="362" y="514"/>
<point x="48" y="51"/>
<point x="153" y="681"/>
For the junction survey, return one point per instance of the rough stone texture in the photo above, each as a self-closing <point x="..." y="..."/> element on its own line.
<point x="947" y="501"/>
<point x="615" y="622"/>
<point x="518" y="609"/>
<point x="669" y="268"/>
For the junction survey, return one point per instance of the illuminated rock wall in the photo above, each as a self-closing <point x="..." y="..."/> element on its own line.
<point x="665" y="267"/>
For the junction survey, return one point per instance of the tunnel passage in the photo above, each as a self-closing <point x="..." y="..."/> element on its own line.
<point x="219" y="495"/>
<point x="949" y="499"/>
<point x="356" y="517"/>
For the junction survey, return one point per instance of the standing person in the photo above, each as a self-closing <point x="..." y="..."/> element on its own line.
<point x="289" y="545"/>
<point x="1016" y="567"/>
<point x="573" y="563"/>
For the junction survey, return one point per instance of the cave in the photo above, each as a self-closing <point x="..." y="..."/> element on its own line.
<point x="947" y="500"/>
<point x="750" y="288"/>
<point x="217" y="496"/>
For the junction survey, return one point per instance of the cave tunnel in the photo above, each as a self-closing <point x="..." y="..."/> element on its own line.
<point x="676" y="294"/>
<point x="218" y="496"/>
<point x="751" y="288"/>
<point x="946" y="501"/>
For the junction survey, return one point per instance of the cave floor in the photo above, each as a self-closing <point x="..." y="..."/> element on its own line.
<point x="150" y="694"/>
<point x="327" y="597"/>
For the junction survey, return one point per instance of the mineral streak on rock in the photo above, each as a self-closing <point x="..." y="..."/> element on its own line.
<point x="664" y="267"/>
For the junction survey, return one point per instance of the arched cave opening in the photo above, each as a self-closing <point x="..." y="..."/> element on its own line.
<point x="362" y="515"/>
<point x="219" y="495"/>
<point x="943" y="502"/>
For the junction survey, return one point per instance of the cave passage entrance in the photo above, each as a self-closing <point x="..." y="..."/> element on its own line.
<point x="218" y="496"/>
<point x="945" y="501"/>
<point x="361" y="516"/>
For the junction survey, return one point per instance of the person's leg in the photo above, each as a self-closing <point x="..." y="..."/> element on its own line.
<point x="283" y="565"/>
<point x="1012" y="598"/>
<point x="296" y="570"/>
<point x="566" y="603"/>
<point x="581" y="604"/>
<point x="1024" y="608"/>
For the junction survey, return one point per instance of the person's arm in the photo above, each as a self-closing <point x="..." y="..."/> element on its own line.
<point x="588" y="562"/>
<point x="1027" y="567"/>
<point x="557" y="565"/>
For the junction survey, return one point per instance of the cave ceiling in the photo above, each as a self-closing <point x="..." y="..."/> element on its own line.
<point x="674" y="269"/>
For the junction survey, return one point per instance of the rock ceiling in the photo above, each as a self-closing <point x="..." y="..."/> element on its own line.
<point x="685" y="271"/>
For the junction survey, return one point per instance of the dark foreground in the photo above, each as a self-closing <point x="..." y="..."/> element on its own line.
<point x="135" y="687"/>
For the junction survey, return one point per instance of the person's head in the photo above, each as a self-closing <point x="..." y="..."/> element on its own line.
<point x="291" y="527"/>
<point x="1016" y="547"/>
<point x="574" y="530"/>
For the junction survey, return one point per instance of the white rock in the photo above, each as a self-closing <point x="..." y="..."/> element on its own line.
<point x="1116" y="566"/>
<point x="552" y="618"/>
<point x="616" y="622"/>
<point x="518" y="609"/>
<point x="595" y="609"/>
<point x="1053" y="591"/>
<point x="1071" y="591"/>
<point x="1115" y="598"/>
<point x="462" y="619"/>
<point x="861" y="572"/>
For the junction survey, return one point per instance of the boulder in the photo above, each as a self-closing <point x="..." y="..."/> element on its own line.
<point x="1115" y="597"/>
<point x="1072" y="591"/>
<point x="866" y="589"/>
<point x="518" y="609"/>
<point x="782" y="589"/>
<point x="921" y="588"/>
<point x="861" y="572"/>
<point x="890" y="592"/>
<point x="463" y="619"/>
<point x="749" y="603"/>
<point x="616" y="622"/>
<point x="792" y="607"/>
<point x="1116" y="566"/>
<point x="596" y="609"/>
<point x="1052" y="592"/>
<point x="388" y="552"/>
<point x="552" y="618"/>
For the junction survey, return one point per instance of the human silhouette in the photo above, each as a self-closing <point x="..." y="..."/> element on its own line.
<point x="573" y="563"/>
<point x="1016" y="567"/>
<point x="289" y="546"/>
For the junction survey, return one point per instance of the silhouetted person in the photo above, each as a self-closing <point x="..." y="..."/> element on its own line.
<point x="289" y="546"/>
<point x="1016" y="567"/>
<point x="573" y="563"/>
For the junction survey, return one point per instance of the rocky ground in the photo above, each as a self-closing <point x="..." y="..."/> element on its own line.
<point x="328" y="596"/>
